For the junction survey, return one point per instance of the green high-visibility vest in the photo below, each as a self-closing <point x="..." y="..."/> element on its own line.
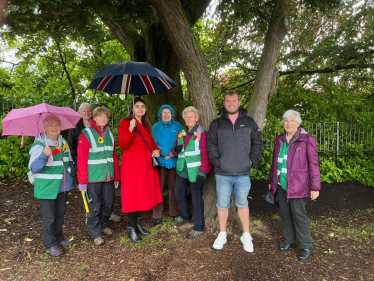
<point x="190" y="156"/>
<point x="47" y="183"/>
<point x="100" y="156"/>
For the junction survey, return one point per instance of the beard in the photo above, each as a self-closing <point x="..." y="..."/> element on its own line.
<point x="232" y="111"/>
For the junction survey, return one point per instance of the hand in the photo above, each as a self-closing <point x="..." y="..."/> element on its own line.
<point x="156" y="153"/>
<point x="167" y="157"/>
<point x="116" y="184"/>
<point x="47" y="150"/>
<point x="199" y="182"/>
<point x="269" y="186"/>
<point x="314" y="195"/>
<point x="178" y="148"/>
<point x="132" y="125"/>
<point x="169" y="164"/>
<point x="82" y="187"/>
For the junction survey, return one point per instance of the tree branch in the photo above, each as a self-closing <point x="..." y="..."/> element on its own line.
<point x="326" y="70"/>
<point x="63" y="62"/>
<point x="12" y="63"/>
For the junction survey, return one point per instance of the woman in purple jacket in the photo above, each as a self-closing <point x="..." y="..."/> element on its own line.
<point x="295" y="177"/>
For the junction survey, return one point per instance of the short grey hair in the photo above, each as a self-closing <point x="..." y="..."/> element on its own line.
<point x="291" y="112"/>
<point x="83" y="105"/>
<point x="190" y="109"/>
<point x="49" y="118"/>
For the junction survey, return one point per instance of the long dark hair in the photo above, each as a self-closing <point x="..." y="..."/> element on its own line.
<point x="145" y="118"/>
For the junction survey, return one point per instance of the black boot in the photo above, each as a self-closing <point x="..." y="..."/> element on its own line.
<point x="140" y="229"/>
<point x="133" y="235"/>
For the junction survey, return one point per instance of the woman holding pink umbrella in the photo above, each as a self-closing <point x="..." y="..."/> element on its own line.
<point x="52" y="166"/>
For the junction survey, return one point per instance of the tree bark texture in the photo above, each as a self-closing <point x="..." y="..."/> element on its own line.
<point x="190" y="56"/>
<point x="194" y="66"/>
<point x="265" y="73"/>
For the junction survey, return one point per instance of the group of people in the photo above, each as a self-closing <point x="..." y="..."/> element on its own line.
<point x="185" y="156"/>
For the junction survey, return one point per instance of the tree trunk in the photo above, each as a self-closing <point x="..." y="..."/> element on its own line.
<point x="190" y="56"/>
<point x="266" y="72"/>
<point x="153" y="47"/>
<point x="195" y="69"/>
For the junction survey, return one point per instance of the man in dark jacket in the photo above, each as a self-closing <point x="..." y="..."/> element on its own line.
<point x="234" y="145"/>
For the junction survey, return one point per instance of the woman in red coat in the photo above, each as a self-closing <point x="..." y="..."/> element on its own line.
<point x="140" y="182"/>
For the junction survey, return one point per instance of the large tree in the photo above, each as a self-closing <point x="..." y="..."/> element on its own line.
<point x="133" y="23"/>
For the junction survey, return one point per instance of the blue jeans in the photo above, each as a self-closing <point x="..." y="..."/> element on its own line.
<point x="181" y="188"/>
<point x="241" y="185"/>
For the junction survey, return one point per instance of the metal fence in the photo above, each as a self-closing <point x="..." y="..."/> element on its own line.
<point x="338" y="138"/>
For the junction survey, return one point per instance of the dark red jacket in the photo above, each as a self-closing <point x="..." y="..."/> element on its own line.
<point x="303" y="175"/>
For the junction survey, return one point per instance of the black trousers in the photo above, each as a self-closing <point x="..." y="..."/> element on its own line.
<point x="53" y="212"/>
<point x="294" y="221"/>
<point x="101" y="196"/>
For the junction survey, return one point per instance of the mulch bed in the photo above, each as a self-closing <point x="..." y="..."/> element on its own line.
<point x="342" y="221"/>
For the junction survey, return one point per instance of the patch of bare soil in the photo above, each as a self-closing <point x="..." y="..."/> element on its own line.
<point x="342" y="221"/>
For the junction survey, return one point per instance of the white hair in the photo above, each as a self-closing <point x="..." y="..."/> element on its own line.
<point x="83" y="105"/>
<point x="49" y="118"/>
<point x="190" y="109"/>
<point x="291" y="112"/>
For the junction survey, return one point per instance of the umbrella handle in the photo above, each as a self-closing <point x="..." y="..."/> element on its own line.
<point x="85" y="202"/>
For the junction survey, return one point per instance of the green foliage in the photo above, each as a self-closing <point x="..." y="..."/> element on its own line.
<point x="333" y="169"/>
<point x="14" y="159"/>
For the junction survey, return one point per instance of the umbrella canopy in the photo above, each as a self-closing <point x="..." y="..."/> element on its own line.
<point x="136" y="78"/>
<point x="29" y="121"/>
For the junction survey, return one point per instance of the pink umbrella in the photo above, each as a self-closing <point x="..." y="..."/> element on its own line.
<point x="29" y="121"/>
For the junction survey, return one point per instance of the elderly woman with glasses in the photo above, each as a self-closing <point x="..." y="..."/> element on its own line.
<point x="53" y="169"/>
<point x="192" y="167"/>
<point x="295" y="177"/>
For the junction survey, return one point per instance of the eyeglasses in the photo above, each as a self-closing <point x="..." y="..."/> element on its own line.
<point x="289" y="121"/>
<point x="53" y="125"/>
<point x="190" y="117"/>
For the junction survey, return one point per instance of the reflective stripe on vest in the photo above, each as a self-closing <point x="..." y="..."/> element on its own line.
<point x="48" y="181"/>
<point x="191" y="156"/>
<point x="100" y="156"/>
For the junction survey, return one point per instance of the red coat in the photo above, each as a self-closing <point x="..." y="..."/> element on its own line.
<point x="140" y="184"/>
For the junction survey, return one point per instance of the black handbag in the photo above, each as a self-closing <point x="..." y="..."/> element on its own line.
<point x="154" y="160"/>
<point x="270" y="198"/>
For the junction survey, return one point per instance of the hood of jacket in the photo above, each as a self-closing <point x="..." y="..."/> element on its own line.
<point x="172" y="114"/>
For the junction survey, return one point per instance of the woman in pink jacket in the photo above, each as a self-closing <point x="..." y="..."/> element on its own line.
<point x="295" y="177"/>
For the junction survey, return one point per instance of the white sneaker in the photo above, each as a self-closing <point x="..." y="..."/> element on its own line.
<point x="247" y="242"/>
<point x="220" y="241"/>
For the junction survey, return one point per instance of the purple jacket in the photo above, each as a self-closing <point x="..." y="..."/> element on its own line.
<point x="303" y="175"/>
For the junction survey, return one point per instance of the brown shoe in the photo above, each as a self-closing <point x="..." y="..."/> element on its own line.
<point x="99" y="241"/>
<point x="108" y="231"/>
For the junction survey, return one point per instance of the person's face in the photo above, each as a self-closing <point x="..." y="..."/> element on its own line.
<point x="53" y="129"/>
<point x="290" y="124"/>
<point x="191" y="119"/>
<point x="166" y="115"/>
<point x="232" y="104"/>
<point x="139" y="109"/>
<point x="86" y="113"/>
<point x="101" y="120"/>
